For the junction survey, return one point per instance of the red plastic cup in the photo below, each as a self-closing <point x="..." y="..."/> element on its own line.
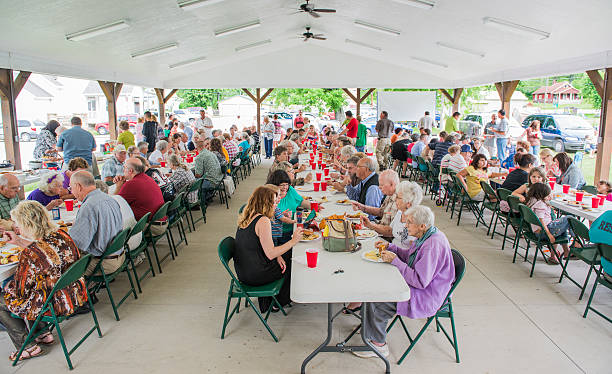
<point x="311" y="257"/>
<point x="318" y="175"/>
<point x="320" y="156"/>
<point x="189" y="159"/>
<point x="326" y="171"/>
<point x="197" y="153"/>
<point x="314" y="206"/>
<point x="602" y="198"/>
<point x="313" y="165"/>
<point x="595" y="202"/>
<point x="319" y="163"/>
<point x="314" y="147"/>
<point x="323" y="186"/>
<point x="552" y="179"/>
<point x="316" y="186"/>
<point x="162" y="164"/>
<point x="323" y="165"/>
<point x="327" y="180"/>
<point x="579" y="195"/>
<point x="566" y="188"/>
<point x="312" y="156"/>
<point x="69" y="204"/>
<point x="300" y="225"/>
<point x="552" y="185"/>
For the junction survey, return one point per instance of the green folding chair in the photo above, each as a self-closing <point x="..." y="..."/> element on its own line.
<point x="585" y="251"/>
<point x="501" y="216"/>
<point x="100" y="278"/>
<point x="605" y="252"/>
<point x="238" y="290"/>
<point x="490" y="202"/>
<point x="176" y="210"/>
<point x="153" y="239"/>
<point x="528" y="218"/>
<point x="195" y="186"/>
<point x="47" y="314"/>
<point x="445" y="311"/>
<point x="467" y="202"/>
<point x="514" y="220"/>
<point x="142" y="247"/>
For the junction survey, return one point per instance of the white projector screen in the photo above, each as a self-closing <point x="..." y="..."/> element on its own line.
<point x="406" y="105"/>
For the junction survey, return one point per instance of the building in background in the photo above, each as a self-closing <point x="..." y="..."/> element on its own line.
<point x="558" y="92"/>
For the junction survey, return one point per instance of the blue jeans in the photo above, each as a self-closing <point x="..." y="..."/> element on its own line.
<point x="268" y="145"/>
<point x="360" y="148"/>
<point x="534" y="150"/>
<point x="501" y="148"/>
<point x="558" y="228"/>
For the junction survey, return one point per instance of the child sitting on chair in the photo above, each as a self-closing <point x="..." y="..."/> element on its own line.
<point x="605" y="188"/>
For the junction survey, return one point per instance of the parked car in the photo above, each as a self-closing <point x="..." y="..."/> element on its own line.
<point x="186" y="116"/>
<point x="515" y="130"/>
<point x="102" y="128"/>
<point x="27" y="129"/>
<point x="284" y="118"/>
<point x="562" y="132"/>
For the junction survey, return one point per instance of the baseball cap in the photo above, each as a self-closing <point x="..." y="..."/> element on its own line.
<point x="466" y="148"/>
<point x="120" y="148"/>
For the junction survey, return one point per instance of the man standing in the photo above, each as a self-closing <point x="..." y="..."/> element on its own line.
<point x="114" y="165"/>
<point x="76" y="142"/>
<point x="501" y="134"/>
<point x="9" y="188"/>
<point x="140" y="191"/>
<point x="384" y="128"/>
<point x="451" y="123"/>
<point x="351" y="126"/>
<point x="426" y="122"/>
<point x="489" y="135"/>
<point x="368" y="191"/>
<point x="298" y="122"/>
<point x="268" y="135"/>
<point x="149" y="131"/>
<point x="204" y="123"/>
<point x="97" y="222"/>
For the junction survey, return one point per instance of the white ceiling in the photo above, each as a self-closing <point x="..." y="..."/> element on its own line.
<point x="32" y="37"/>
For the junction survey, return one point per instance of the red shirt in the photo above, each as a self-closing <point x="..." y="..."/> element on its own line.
<point x="143" y="195"/>
<point x="352" y="128"/>
<point x="298" y="123"/>
<point x="409" y="149"/>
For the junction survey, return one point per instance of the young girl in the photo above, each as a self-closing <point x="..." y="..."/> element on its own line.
<point x="279" y="217"/>
<point x="536" y="175"/>
<point x="605" y="188"/>
<point x="537" y="199"/>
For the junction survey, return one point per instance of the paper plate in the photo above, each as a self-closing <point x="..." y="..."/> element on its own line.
<point x="366" y="234"/>
<point x="365" y="254"/>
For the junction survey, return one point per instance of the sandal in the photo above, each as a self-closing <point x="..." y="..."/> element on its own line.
<point x="45" y="339"/>
<point x="33" y="351"/>
<point x="351" y="310"/>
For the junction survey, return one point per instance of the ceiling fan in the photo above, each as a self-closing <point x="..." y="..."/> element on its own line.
<point x="310" y="9"/>
<point x="308" y="35"/>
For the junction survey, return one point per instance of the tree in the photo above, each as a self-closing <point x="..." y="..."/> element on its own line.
<point x="322" y="99"/>
<point x="206" y="97"/>
<point x="588" y="91"/>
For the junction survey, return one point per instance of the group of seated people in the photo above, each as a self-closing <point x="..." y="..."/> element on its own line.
<point x="265" y="235"/>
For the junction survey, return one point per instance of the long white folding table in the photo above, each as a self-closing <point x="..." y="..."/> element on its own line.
<point x="359" y="281"/>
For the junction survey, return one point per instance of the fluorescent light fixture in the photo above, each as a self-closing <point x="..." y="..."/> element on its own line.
<point x="382" y="29"/>
<point x="253" y="45"/>
<point x="461" y="49"/>
<point x="515" y="27"/>
<point x="362" y="44"/>
<point x="430" y="62"/>
<point x="193" y="4"/>
<point x="155" y="51"/>
<point x="98" y="30"/>
<point x="183" y="64"/>
<point x="423" y="4"/>
<point x="234" y="29"/>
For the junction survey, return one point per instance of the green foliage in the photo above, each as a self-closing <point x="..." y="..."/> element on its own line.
<point x="323" y="99"/>
<point x="207" y="97"/>
<point x="588" y="91"/>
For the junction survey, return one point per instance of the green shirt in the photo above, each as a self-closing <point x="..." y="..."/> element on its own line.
<point x="290" y="202"/>
<point x="207" y="165"/>
<point x="6" y="205"/>
<point x="126" y="138"/>
<point x="451" y="125"/>
<point x="362" y="136"/>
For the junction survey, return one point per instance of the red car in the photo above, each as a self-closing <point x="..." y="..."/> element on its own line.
<point x="102" y="128"/>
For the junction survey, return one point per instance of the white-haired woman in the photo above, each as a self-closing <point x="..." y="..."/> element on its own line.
<point x="428" y="269"/>
<point x="159" y="155"/>
<point x="48" y="191"/>
<point x="182" y="177"/>
<point x="46" y="255"/>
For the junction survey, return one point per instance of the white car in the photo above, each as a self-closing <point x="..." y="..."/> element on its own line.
<point x="28" y="129"/>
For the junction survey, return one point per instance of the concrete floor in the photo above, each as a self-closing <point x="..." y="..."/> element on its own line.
<point x="506" y="321"/>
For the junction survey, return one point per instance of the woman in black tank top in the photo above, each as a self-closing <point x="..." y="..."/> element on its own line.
<point x="256" y="260"/>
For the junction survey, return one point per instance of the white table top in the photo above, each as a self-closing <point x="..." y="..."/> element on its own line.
<point x="591" y="215"/>
<point x="7" y="270"/>
<point x="361" y="281"/>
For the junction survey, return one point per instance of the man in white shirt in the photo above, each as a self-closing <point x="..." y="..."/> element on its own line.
<point x="204" y="123"/>
<point x="426" y="121"/>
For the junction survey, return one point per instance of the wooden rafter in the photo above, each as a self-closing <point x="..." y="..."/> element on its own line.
<point x="350" y="94"/>
<point x="365" y="96"/>
<point x="597" y="80"/>
<point x="167" y="98"/>
<point x="246" y="90"/>
<point x="265" y="95"/>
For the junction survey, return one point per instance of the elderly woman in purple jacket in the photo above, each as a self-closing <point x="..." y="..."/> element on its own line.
<point x="428" y="268"/>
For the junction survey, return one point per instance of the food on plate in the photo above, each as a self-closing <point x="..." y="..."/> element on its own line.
<point x="9" y="259"/>
<point x="307" y="197"/>
<point x="356" y="215"/>
<point x="373" y="255"/>
<point x="357" y="226"/>
<point x="381" y="247"/>
<point x="309" y="235"/>
<point x="323" y="199"/>
<point x="366" y="234"/>
<point x="2" y="243"/>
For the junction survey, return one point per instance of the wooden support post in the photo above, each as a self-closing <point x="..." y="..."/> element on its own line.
<point x="358" y="103"/>
<point x="9" y="90"/>
<point x="111" y="91"/>
<point x="455" y="98"/>
<point x="358" y="99"/>
<point x="505" y="91"/>
<point x="604" y="138"/>
<point x="258" y="99"/>
<point x="162" y="101"/>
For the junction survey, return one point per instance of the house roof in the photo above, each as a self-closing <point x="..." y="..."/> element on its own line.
<point x="556" y="88"/>
<point x="93" y="89"/>
<point x="579" y="43"/>
<point x="36" y="90"/>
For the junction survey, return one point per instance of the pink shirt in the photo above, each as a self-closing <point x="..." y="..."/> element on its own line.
<point x="542" y="210"/>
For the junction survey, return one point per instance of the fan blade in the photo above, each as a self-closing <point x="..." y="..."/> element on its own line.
<point x="319" y="37"/>
<point x="314" y="14"/>
<point x="324" y="10"/>
<point x="306" y="39"/>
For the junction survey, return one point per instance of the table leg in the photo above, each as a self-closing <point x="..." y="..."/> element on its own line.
<point x="341" y="347"/>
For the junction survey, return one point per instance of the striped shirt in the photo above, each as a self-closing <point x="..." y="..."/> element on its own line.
<point x="277" y="225"/>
